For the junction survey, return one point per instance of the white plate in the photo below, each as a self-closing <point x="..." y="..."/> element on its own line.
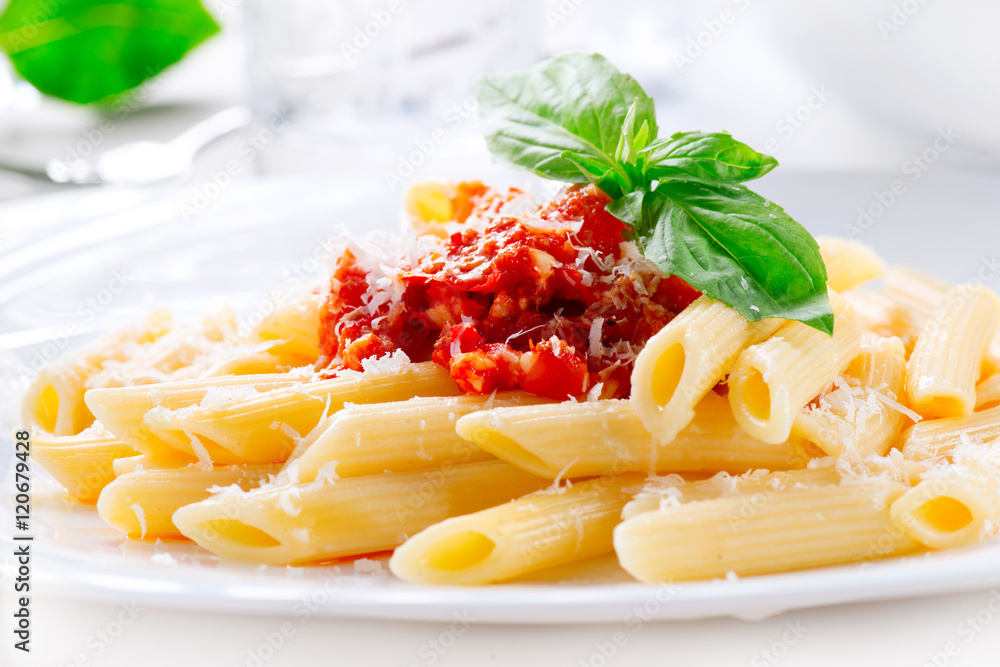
<point x="246" y="243"/>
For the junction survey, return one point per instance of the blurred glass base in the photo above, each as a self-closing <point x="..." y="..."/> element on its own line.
<point x="375" y="86"/>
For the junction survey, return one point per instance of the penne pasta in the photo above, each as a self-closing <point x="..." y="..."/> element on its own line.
<point x="941" y="375"/>
<point x="849" y="263"/>
<point x="121" y="409"/>
<point x="862" y="414"/>
<point x="662" y="492"/>
<point x="882" y="316"/>
<point x="988" y="393"/>
<point x="915" y="289"/>
<point x="82" y="463"/>
<point x="397" y="437"/>
<point x="241" y="425"/>
<point x="548" y="528"/>
<point x="522" y="391"/>
<point x="325" y="519"/>
<point x="54" y="400"/>
<point x="689" y="356"/>
<point x="586" y="439"/>
<point x="293" y="331"/>
<point x="948" y="511"/>
<point x="774" y="380"/>
<point x="141" y="503"/>
<point x="791" y="528"/>
<point x="955" y="504"/>
<point x="933" y="439"/>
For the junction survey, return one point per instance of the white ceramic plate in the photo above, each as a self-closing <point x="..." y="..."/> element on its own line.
<point x="60" y="251"/>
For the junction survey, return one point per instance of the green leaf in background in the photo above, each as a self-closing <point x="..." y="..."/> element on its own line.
<point x="90" y="50"/>
<point x="733" y="245"/>
<point x="710" y="157"/>
<point x="573" y="104"/>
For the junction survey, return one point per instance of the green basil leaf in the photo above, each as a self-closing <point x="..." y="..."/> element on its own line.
<point x="736" y="247"/>
<point x="709" y="157"/>
<point x="575" y="103"/>
<point x="626" y="138"/>
<point x="628" y="209"/>
<point x="599" y="174"/>
<point x="89" y="50"/>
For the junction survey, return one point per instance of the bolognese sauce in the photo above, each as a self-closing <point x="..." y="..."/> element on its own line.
<point x="551" y="299"/>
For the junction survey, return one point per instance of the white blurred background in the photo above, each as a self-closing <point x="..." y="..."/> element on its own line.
<point x="857" y="85"/>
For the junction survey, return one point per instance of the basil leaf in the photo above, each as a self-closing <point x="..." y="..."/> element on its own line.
<point x="733" y="245"/>
<point x="88" y="50"/>
<point x="574" y="103"/>
<point x="599" y="174"/>
<point x="709" y="157"/>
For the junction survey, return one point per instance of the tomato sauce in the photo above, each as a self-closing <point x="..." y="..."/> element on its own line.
<point x="552" y="301"/>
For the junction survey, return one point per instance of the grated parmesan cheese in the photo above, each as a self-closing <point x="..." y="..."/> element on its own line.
<point x="389" y="363"/>
<point x="140" y="514"/>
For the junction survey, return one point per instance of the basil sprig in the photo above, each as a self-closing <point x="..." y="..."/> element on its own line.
<point x="575" y="118"/>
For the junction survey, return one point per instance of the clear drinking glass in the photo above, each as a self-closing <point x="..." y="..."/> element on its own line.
<point x="354" y="86"/>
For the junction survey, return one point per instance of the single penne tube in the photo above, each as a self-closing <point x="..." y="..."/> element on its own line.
<point x="936" y="438"/>
<point x="326" y="519"/>
<point x="661" y="492"/>
<point x="121" y="409"/>
<point x="54" y="401"/>
<point x="82" y="463"/>
<point x="141" y="503"/>
<point x="883" y="316"/>
<point x="543" y="529"/>
<point x="772" y="381"/>
<point x="792" y="528"/>
<point x="920" y="295"/>
<point x="247" y="362"/>
<point x="686" y="358"/>
<point x="862" y="414"/>
<point x="242" y="425"/>
<point x="949" y="509"/>
<point x="849" y="263"/>
<point x="988" y="393"/>
<point x="294" y="330"/>
<point x="947" y="357"/>
<point x="917" y="290"/>
<point x="587" y="439"/>
<point x="396" y="437"/>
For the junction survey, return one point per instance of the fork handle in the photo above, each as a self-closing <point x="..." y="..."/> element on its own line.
<point x="205" y="132"/>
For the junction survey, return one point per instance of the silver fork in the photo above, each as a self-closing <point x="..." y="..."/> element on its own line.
<point x="147" y="162"/>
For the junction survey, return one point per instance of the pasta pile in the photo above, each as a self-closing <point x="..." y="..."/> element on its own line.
<point x="745" y="448"/>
